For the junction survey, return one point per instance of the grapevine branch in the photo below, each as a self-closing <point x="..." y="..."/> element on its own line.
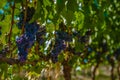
<point x="12" y="61"/>
<point x="12" y="23"/>
<point x="25" y="16"/>
<point x="94" y="71"/>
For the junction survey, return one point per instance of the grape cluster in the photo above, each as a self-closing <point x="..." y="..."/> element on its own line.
<point x="32" y="32"/>
<point x="61" y="38"/>
<point x="58" y="47"/>
<point x="26" y="40"/>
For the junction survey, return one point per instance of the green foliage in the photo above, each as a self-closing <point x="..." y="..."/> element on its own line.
<point x="100" y="16"/>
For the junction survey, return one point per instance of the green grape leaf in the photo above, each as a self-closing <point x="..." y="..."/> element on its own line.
<point x="46" y="3"/>
<point x="68" y="15"/>
<point x="2" y="3"/>
<point x="60" y="5"/>
<point x="72" y="5"/>
<point x="18" y="1"/>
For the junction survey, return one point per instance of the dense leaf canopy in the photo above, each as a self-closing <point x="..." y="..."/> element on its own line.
<point x="37" y="35"/>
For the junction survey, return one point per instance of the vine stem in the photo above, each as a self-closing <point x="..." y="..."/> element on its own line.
<point x="67" y="70"/>
<point x="25" y="16"/>
<point x="112" y="72"/>
<point x="94" y="71"/>
<point x="12" y="61"/>
<point x="37" y="48"/>
<point x="35" y="3"/>
<point x="11" y="27"/>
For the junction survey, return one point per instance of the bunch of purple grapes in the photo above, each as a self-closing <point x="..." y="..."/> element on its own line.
<point x="23" y="45"/>
<point x="26" y="40"/>
<point x="61" y="38"/>
<point x="58" y="47"/>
